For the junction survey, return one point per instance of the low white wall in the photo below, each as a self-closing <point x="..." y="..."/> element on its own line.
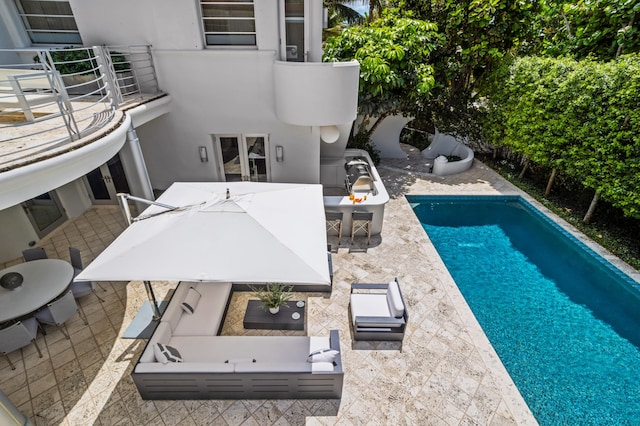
<point x="386" y="138"/>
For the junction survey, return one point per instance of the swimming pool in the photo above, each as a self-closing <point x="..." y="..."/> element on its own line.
<point x="565" y="322"/>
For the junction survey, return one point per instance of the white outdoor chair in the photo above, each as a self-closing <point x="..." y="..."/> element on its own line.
<point x="17" y="336"/>
<point x="34" y="254"/>
<point x="59" y="311"/>
<point x="378" y="311"/>
<point x="81" y="288"/>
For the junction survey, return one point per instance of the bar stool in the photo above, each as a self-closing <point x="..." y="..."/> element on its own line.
<point x="334" y="223"/>
<point x="361" y="221"/>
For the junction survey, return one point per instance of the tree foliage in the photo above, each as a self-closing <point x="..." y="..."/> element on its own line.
<point x="579" y="116"/>
<point x="396" y="71"/>
<point x="601" y="28"/>
<point x="477" y="35"/>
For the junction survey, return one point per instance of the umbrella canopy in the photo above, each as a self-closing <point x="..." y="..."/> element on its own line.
<point x="263" y="232"/>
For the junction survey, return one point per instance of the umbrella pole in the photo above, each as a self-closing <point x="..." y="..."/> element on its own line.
<point x="152" y="299"/>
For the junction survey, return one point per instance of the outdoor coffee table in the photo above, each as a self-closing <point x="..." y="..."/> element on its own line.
<point x="257" y="317"/>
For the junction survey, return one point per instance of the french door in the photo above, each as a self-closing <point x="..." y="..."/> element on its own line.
<point x="243" y="157"/>
<point x="107" y="181"/>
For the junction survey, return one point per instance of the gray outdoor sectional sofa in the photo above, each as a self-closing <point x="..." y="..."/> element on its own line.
<point x="230" y="367"/>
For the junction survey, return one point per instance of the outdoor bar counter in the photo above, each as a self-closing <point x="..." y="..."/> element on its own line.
<point x="336" y="196"/>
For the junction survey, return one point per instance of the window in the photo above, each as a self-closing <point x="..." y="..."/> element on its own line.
<point x="228" y="23"/>
<point x="49" y="21"/>
<point x="294" y="28"/>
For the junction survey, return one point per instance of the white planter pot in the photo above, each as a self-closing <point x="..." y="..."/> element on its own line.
<point x="274" y="310"/>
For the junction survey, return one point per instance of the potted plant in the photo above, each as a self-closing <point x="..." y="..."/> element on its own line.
<point x="273" y="295"/>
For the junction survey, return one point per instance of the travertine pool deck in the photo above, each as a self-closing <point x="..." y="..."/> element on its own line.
<point x="444" y="373"/>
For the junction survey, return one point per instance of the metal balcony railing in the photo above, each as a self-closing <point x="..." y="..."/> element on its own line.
<point x="56" y="96"/>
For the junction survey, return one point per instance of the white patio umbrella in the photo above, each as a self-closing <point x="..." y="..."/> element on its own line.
<point x="263" y="232"/>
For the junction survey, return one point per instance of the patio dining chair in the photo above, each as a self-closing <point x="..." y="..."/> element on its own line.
<point x="81" y="288"/>
<point x="17" y="336"/>
<point x="60" y="311"/>
<point x="34" y="253"/>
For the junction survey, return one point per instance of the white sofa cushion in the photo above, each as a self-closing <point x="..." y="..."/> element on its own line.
<point x="369" y="305"/>
<point x="261" y="348"/>
<point x="185" y="367"/>
<point x="396" y="307"/>
<point x="240" y="360"/>
<point x="190" y="301"/>
<point x="271" y="367"/>
<point x="210" y="311"/>
<point x="322" y="367"/>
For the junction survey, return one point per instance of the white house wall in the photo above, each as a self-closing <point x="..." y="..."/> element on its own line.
<point x="213" y="91"/>
<point x="164" y="24"/>
<point x="16" y="236"/>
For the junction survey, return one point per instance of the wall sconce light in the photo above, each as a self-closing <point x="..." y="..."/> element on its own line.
<point x="204" y="157"/>
<point x="279" y="153"/>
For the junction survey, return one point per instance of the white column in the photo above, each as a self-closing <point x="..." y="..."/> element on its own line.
<point x="135" y="168"/>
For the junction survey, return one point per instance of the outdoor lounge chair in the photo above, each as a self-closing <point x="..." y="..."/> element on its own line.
<point x="378" y="311"/>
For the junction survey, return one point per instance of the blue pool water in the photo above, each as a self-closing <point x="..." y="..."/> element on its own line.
<point x="565" y="323"/>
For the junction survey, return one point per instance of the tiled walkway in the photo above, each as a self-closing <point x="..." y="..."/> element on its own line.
<point x="445" y="372"/>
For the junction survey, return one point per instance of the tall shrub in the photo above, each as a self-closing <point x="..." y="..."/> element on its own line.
<point x="582" y="117"/>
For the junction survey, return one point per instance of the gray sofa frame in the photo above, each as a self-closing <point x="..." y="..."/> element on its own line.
<point x="254" y="385"/>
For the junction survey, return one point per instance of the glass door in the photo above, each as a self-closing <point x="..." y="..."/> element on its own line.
<point x="45" y="213"/>
<point x="228" y="148"/>
<point x="106" y="181"/>
<point x="242" y="157"/>
<point x="257" y="158"/>
<point x="293" y="31"/>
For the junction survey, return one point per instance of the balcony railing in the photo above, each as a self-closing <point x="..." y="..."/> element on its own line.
<point x="52" y="97"/>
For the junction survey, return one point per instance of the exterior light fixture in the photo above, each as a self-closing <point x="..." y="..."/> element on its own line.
<point x="204" y="157"/>
<point x="279" y="153"/>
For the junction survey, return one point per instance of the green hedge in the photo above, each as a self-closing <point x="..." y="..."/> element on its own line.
<point x="581" y="117"/>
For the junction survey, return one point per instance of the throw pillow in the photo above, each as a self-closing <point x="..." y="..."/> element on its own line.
<point x="394" y="300"/>
<point x="322" y="355"/>
<point x="191" y="301"/>
<point x="165" y="353"/>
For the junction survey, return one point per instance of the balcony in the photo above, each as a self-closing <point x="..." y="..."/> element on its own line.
<point x="316" y="93"/>
<point x="56" y="101"/>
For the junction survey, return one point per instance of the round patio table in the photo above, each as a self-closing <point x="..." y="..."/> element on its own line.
<point x="44" y="280"/>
